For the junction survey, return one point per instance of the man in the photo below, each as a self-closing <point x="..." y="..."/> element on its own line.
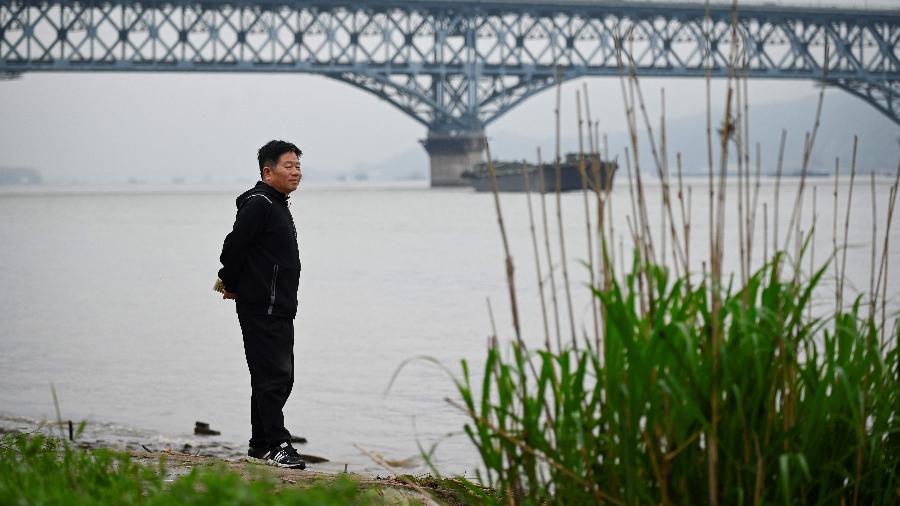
<point x="261" y="272"/>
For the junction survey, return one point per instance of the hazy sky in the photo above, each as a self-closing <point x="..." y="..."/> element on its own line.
<point x="115" y="126"/>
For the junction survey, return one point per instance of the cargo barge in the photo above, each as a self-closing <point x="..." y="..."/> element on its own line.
<point x="510" y="176"/>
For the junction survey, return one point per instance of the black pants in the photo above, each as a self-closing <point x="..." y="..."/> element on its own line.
<point x="269" y="347"/>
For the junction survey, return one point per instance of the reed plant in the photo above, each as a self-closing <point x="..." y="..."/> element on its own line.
<point x="695" y="388"/>
<point x="809" y="406"/>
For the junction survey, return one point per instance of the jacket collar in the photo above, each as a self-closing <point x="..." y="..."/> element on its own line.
<point x="272" y="192"/>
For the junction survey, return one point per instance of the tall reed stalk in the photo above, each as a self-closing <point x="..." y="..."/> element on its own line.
<point x="547" y="251"/>
<point x="559" y="219"/>
<point x="526" y="175"/>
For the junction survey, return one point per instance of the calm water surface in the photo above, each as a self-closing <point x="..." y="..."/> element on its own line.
<point x="108" y="295"/>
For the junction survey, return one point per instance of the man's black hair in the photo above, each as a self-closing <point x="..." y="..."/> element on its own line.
<point x="270" y="153"/>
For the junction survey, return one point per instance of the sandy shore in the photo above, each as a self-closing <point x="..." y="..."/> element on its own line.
<point x="394" y="490"/>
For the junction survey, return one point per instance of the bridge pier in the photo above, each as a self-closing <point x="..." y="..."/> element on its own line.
<point x="451" y="155"/>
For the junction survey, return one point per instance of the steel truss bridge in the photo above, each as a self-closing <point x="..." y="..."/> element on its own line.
<point x="457" y="66"/>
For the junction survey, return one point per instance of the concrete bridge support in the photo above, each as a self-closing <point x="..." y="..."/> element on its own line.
<point x="451" y="155"/>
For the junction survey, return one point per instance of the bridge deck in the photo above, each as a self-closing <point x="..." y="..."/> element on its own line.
<point x="459" y="64"/>
<point x="716" y="8"/>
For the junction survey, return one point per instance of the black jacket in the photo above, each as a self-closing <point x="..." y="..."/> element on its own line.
<point x="260" y="258"/>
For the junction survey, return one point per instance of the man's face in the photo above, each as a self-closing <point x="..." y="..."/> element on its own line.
<point x="285" y="175"/>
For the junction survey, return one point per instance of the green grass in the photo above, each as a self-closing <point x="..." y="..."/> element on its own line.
<point x="808" y="409"/>
<point x="37" y="470"/>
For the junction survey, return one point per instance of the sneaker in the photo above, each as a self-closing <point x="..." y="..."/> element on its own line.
<point x="256" y="453"/>
<point x="284" y="455"/>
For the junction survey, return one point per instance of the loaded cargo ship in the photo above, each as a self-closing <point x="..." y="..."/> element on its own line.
<point x="510" y="176"/>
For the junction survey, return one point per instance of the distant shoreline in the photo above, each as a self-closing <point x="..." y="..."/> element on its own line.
<point x="213" y="188"/>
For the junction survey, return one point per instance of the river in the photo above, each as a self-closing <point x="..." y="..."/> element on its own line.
<point x="107" y="295"/>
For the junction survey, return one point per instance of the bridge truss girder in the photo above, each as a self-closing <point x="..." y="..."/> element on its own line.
<point x="456" y="66"/>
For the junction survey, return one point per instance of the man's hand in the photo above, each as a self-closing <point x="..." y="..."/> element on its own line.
<point x="220" y="287"/>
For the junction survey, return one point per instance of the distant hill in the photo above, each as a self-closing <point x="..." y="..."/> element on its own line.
<point x="843" y="116"/>
<point x="406" y="165"/>
<point x="19" y="176"/>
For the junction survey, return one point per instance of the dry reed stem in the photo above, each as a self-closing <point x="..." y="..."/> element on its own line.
<point x="884" y="256"/>
<point x="608" y="249"/>
<point x="631" y="229"/>
<point x="719" y="230"/>
<point x="645" y="278"/>
<point x="707" y="64"/>
<point x="537" y="258"/>
<point x="549" y="254"/>
<point x="594" y="180"/>
<point x="812" y="245"/>
<point x="602" y="257"/>
<point x="644" y="233"/>
<point x="645" y="245"/>
<point x="685" y="222"/>
<point x="653" y="453"/>
<point x="847" y="226"/>
<point x="642" y="208"/>
<point x="760" y="474"/>
<point x="604" y="251"/>
<point x="872" y="296"/>
<point x="688" y="228"/>
<point x="661" y="164"/>
<point x="662" y="240"/>
<point x="834" y="247"/>
<point x="765" y="232"/>
<point x="398" y="474"/>
<point x="664" y="170"/>
<point x="628" y="98"/>
<point x="746" y="146"/>
<point x="712" y="433"/>
<point x="778" y="173"/>
<point x="631" y="189"/>
<point x="807" y="152"/>
<point x="754" y="206"/>
<point x="510" y="268"/>
<point x="739" y="151"/>
<point x="609" y="206"/>
<point x="798" y="240"/>
<point x="491" y="317"/>
<point x="667" y="198"/>
<point x="582" y="169"/>
<point x="510" y="272"/>
<point x="562" y="241"/>
<point x="865" y="393"/>
<point x="883" y="268"/>
<point x="635" y="234"/>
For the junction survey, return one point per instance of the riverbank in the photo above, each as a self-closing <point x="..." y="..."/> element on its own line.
<point x="46" y="464"/>
<point x="389" y="490"/>
<point x="98" y="434"/>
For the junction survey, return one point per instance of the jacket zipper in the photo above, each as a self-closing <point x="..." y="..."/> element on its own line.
<point x="272" y="294"/>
